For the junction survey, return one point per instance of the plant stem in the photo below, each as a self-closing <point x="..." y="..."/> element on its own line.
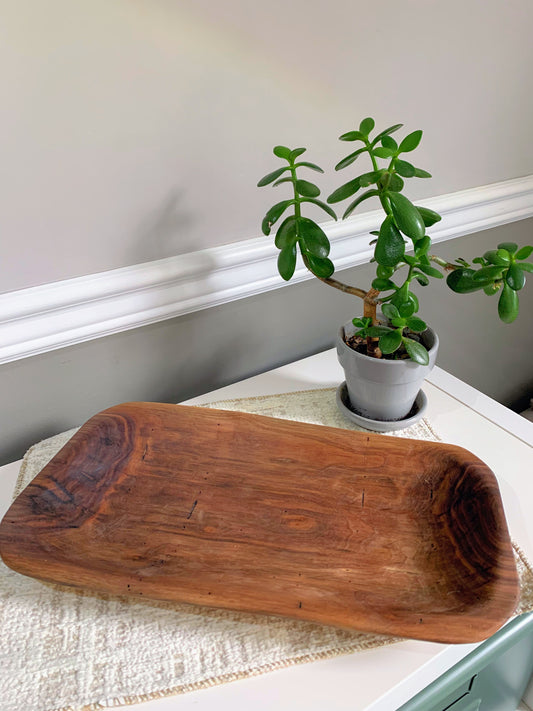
<point x="443" y="263"/>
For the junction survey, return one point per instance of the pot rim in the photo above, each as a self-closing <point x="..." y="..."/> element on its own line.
<point x="383" y="362"/>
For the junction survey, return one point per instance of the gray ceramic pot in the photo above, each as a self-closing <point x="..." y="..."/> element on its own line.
<point x="383" y="389"/>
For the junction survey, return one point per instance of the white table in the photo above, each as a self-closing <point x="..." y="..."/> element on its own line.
<point x="378" y="679"/>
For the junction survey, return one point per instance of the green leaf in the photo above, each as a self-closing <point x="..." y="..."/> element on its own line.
<point x="384" y="272"/>
<point x="286" y="234"/>
<point x="515" y="277"/>
<point x="390" y="311"/>
<point x="415" y="324"/>
<point x="406" y="216"/>
<point x="306" y="164"/>
<point x="352" y="136"/>
<point x="419" y="173"/>
<point x="282" y="152"/>
<point x="315" y="240"/>
<point x="411" y="261"/>
<point x="274" y="214"/>
<point x="383" y="152"/>
<point x="382" y="284"/>
<point x="488" y="274"/>
<point x="390" y="247"/>
<point x="492" y="288"/>
<point x="282" y="180"/>
<point x="345" y="191"/>
<point x="511" y="247"/>
<point x="297" y="152"/>
<point x="498" y="257"/>
<point x="391" y="341"/>
<point x="390" y="143"/>
<point x="362" y="322"/>
<point x="368" y="178"/>
<point x="307" y="189"/>
<point x="422" y="246"/>
<point x="524" y="252"/>
<point x="322" y="205"/>
<point x="421" y="278"/>
<point x="386" y="132"/>
<point x="366" y="126"/>
<point x="416" y="351"/>
<point x="287" y="262"/>
<point x="526" y="267"/>
<point x="461" y="281"/>
<point x="351" y="207"/>
<point x="508" y="304"/>
<point x="321" y="268"/>
<point x="271" y="176"/>
<point x="404" y="168"/>
<point x="345" y="162"/>
<point x="406" y="309"/>
<point x="431" y="271"/>
<point x="410" y="142"/>
<point x="430" y="217"/>
<point x="396" y="184"/>
<point x="377" y="331"/>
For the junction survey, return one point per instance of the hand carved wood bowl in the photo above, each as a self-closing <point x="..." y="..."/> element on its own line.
<point x="246" y="512"/>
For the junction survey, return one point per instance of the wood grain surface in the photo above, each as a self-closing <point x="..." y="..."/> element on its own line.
<point x="252" y="513"/>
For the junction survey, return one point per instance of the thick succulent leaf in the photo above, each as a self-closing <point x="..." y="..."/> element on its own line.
<point x="405" y="169"/>
<point x="345" y="191"/>
<point x="396" y="184"/>
<point x="352" y="136"/>
<point x="498" y="257"/>
<point x="390" y="311"/>
<point x="390" y="247"/>
<point x="384" y="272"/>
<point x="351" y="207"/>
<point x="524" y="252"/>
<point x="508" y="304"/>
<point x="462" y="282"/>
<point x="419" y="173"/>
<point x="410" y="142"/>
<point x="321" y="268"/>
<point x="406" y="216"/>
<point x="430" y="217"/>
<point x="488" y="273"/>
<point x="431" y="271"/>
<point x="391" y="341"/>
<point x="377" y="331"/>
<point x="286" y="234"/>
<point x="511" y="247"/>
<point x="287" y="262"/>
<point x="526" y="267"/>
<point x="383" y="152"/>
<point x="323" y="206"/>
<point x="315" y="240"/>
<point x="307" y="189"/>
<point x="390" y="143"/>
<point x="415" y="324"/>
<point x="282" y="152"/>
<point x="366" y="126"/>
<point x="368" y="178"/>
<point x="306" y="164"/>
<point x="386" y="132"/>
<point x="349" y="159"/>
<point x="493" y="288"/>
<point x="282" y="180"/>
<point x="421" y="278"/>
<point x="270" y="177"/>
<point x="406" y="309"/>
<point x="297" y="152"/>
<point x="515" y="277"/>
<point x="416" y="351"/>
<point x="422" y="246"/>
<point x="382" y="284"/>
<point x="274" y="214"/>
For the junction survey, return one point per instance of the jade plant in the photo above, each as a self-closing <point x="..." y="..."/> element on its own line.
<point x="401" y="245"/>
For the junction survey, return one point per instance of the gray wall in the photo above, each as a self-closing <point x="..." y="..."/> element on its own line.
<point x="137" y="129"/>
<point x="176" y="359"/>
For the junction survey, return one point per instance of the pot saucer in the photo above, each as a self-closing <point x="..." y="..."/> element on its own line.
<point x="417" y="412"/>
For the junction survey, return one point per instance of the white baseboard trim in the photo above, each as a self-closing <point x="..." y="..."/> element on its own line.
<point x="60" y="314"/>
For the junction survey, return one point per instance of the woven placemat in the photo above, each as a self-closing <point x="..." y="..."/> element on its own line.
<point x="65" y="650"/>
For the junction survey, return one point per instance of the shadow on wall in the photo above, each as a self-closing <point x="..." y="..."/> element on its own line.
<point x="162" y="232"/>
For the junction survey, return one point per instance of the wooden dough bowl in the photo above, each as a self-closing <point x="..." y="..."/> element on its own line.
<point x="245" y="512"/>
